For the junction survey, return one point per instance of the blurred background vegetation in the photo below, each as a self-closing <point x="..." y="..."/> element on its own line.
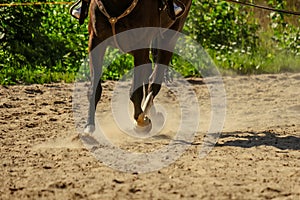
<point x="43" y="43"/>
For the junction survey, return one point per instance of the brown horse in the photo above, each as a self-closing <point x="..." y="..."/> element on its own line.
<point x="105" y="23"/>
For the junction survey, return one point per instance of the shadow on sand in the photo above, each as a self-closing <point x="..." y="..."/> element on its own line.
<point x="254" y="139"/>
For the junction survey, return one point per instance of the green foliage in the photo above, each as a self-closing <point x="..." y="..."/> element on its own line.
<point x="218" y="24"/>
<point x="116" y="64"/>
<point x="39" y="39"/>
<point x="285" y="35"/>
<point x="45" y="44"/>
<point x="236" y="42"/>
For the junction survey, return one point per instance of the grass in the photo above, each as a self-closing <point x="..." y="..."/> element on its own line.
<point x="232" y="62"/>
<point x="25" y="75"/>
<point x="269" y="57"/>
<point x="258" y="62"/>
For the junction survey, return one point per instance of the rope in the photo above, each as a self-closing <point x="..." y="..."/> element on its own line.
<point x="34" y="4"/>
<point x="264" y="7"/>
<point x="67" y="3"/>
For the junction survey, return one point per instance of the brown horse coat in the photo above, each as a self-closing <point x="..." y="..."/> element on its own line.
<point x="146" y="13"/>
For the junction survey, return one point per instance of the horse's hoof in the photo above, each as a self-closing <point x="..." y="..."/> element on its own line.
<point x="143" y="124"/>
<point x="143" y="129"/>
<point x="89" y="129"/>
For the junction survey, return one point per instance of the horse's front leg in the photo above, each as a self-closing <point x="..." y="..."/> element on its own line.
<point x="96" y="56"/>
<point x="142" y="71"/>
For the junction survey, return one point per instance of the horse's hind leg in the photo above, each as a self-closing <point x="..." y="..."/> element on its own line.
<point x="162" y="51"/>
<point x="142" y="71"/>
<point x="157" y="77"/>
<point x="94" y="94"/>
<point x="163" y="47"/>
<point x="161" y="59"/>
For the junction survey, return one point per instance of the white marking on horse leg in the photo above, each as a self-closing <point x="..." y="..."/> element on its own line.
<point x="89" y="129"/>
<point x="148" y="103"/>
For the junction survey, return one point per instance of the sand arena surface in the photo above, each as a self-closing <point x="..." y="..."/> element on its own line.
<point x="257" y="156"/>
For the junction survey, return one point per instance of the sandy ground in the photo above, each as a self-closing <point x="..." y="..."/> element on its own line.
<point x="256" y="157"/>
